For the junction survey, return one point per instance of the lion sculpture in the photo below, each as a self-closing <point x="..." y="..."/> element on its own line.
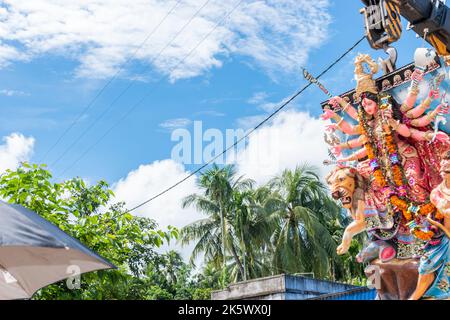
<point x="349" y="188"/>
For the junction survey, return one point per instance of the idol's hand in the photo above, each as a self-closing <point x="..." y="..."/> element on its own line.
<point x="331" y="127"/>
<point x="335" y="101"/>
<point x="434" y="94"/>
<point x="337" y="150"/>
<point x="341" y="162"/>
<point x="443" y="108"/>
<point x="387" y="113"/>
<point x="344" y="246"/>
<point x="327" y="114"/>
<point x="417" y="75"/>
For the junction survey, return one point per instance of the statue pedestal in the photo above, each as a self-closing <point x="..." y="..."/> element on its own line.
<point x="397" y="278"/>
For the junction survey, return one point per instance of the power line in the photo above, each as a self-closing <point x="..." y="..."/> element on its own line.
<point x="128" y="87"/>
<point x="251" y="131"/>
<point x="148" y="93"/>
<point x="99" y="93"/>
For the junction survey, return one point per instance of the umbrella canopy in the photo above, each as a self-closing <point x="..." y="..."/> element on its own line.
<point x="35" y="253"/>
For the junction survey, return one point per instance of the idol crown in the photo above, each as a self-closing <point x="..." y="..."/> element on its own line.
<point x="364" y="81"/>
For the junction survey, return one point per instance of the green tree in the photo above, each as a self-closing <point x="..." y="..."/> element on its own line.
<point x="252" y="229"/>
<point x="214" y="234"/>
<point x="85" y="213"/>
<point x="301" y="208"/>
<point x="290" y="225"/>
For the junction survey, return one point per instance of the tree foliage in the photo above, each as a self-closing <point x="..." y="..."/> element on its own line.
<point x="86" y="213"/>
<point x="290" y="225"/>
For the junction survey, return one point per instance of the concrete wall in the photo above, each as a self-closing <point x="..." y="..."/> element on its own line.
<point x="280" y="287"/>
<point x="270" y="288"/>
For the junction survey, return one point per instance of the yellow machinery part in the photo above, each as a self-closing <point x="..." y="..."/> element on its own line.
<point x="394" y="25"/>
<point x="440" y="47"/>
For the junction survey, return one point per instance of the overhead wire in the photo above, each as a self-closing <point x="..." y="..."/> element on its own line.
<point x="110" y="80"/>
<point x="283" y="105"/>
<point x="84" y="132"/>
<point x="129" y="111"/>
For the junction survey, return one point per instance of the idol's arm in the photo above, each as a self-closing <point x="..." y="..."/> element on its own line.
<point x="358" y="225"/>
<point x="345" y="127"/>
<point x="349" y="109"/>
<point x="428" y="135"/>
<point x="420" y="109"/>
<point x="355" y="156"/>
<point x="346" y="106"/>
<point x="444" y="227"/>
<point x="447" y="222"/>
<point x="445" y="211"/>
<point x="413" y="91"/>
<point x="340" y="124"/>
<point x="428" y="118"/>
<point x="410" y="100"/>
<point x="351" y="144"/>
<point x="417" y="135"/>
<point x="401" y="128"/>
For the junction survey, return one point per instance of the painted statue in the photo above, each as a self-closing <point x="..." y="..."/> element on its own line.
<point x="399" y="155"/>
<point x="351" y="189"/>
<point x="398" y="164"/>
<point x="348" y="187"/>
<point x="434" y="268"/>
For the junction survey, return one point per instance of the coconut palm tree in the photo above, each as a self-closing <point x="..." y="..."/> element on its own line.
<point x="214" y="235"/>
<point x="301" y="240"/>
<point x="289" y="225"/>
<point x="253" y="229"/>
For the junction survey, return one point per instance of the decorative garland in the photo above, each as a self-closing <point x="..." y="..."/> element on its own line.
<point x="388" y="173"/>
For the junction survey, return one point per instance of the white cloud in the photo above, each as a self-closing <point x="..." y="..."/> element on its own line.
<point x="9" y="53"/>
<point x="175" y="123"/>
<point x="11" y="93"/>
<point x="250" y="121"/>
<point x="261" y="100"/>
<point x="102" y="34"/>
<point x="258" y="97"/>
<point x="292" y="138"/>
<point x="15" y="149"/>
<point x="148" y="180"/>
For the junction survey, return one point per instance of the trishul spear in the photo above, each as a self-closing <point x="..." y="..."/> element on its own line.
<point x="329" y="139"/>
<point x="308" y="76"/>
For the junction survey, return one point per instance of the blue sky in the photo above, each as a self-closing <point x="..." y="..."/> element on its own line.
<point x="48" y="76"/>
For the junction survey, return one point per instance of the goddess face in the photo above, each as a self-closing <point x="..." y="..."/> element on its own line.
<point x="369" y="106"/>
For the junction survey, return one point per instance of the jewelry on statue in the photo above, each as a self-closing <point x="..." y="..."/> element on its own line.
<point x="431" y="116"/>
<point x="404" y="107"/>
<point x="427" y="102"/>
<point x="414" y="91"/>
<point x="428" y="136"/>
<point x="395" y="124"/>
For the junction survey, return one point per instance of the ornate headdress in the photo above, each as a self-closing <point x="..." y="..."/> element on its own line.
<point x="364" y="81"/>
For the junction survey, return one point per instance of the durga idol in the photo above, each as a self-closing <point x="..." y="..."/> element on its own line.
<point x="398" y="154"/>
